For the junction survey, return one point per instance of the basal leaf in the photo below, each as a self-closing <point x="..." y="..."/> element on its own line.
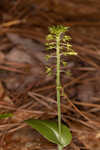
<point x="49" y="129"/>
<point x="5" y="115"/>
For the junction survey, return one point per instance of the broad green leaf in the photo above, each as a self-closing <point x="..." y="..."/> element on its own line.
<point x="49" y="129"/>
<point x="5" y="115"/>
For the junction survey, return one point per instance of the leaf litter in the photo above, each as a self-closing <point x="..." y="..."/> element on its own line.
<point x="26" y="91"/>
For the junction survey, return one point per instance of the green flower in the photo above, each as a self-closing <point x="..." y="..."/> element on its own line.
<point x="49" y="37"/>
<point x="66" y="38"/>
<point x="49" y="71"/>
<point x="71" y="53"/>
<point x="56" y="30"/>
<point x="68" y="73"/>
<point x="69" y="46"/>
<point x="64" y="63"/>
<point x="47" y="57"/>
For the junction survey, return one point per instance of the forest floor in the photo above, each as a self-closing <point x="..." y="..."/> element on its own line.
<point x="26" y="90"/>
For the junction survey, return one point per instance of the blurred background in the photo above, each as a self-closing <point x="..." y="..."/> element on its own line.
<point x="27" y="91"/>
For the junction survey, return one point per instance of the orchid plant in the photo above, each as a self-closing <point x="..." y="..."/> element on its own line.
<point x="58" y="43"/>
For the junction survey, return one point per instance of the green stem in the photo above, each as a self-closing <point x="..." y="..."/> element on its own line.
<point x="58" y="85"/>
<point x="59" y="147"/>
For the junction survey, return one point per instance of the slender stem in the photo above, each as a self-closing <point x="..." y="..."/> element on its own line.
<point x="58" y="85"/>
<point x="59" y="147"/>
